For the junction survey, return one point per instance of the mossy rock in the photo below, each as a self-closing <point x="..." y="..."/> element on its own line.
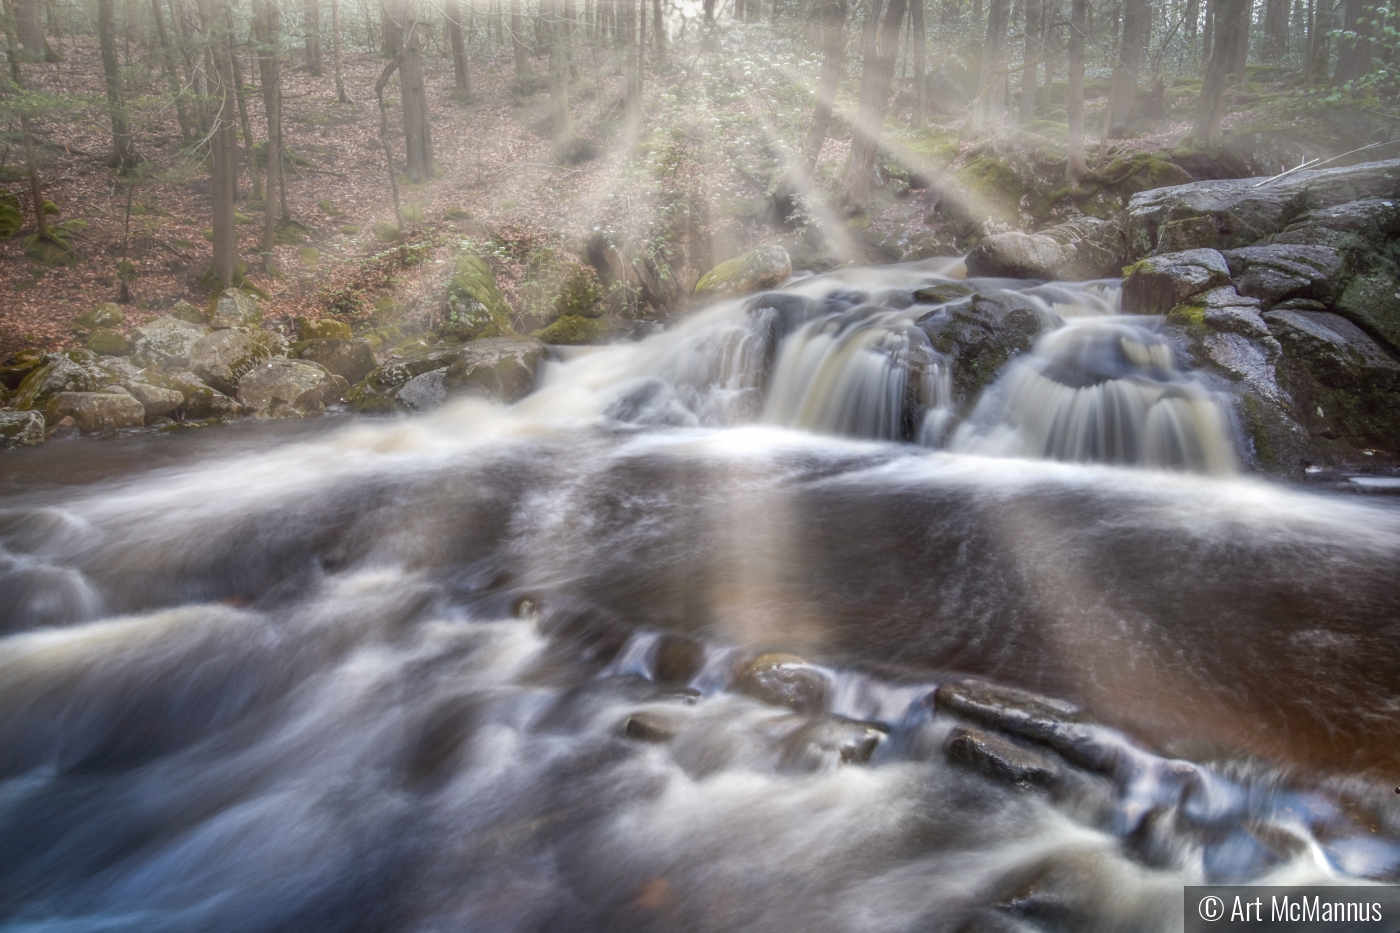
<point x="992" y="186"/>
<point x="243" y="219"/>
<point x="350" y="230"/>
<point x="474" y="307"/>
<point x="766" y="266"/>
<point x="53" y="250"/>
<point x="51" y="209"/>
<point x="291" y="233"/>
<point x="108" y="342"/>
<point x="107" y="314"/>
<point x="184" y="311"/>
<point x="573" y="330"/>
<point x="310" y="256"/>
<point x="11" y="219"/>
<point x="386" y="232"/>
<point x="321" y="328"/>
<point x="412" y="213"/>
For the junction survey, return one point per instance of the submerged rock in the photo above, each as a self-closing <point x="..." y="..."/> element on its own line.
<point x="1040" y="719"/>
<point x="282" y="388"/>
<point x="21" y="429"/>
<point x="652" y="726"/>
<point x="830" y="740"/>
<point x="97" y="411"/>
<point x="767" y="266"/>
<point x="1159" y="283"/>
<point x="981" y="334"/>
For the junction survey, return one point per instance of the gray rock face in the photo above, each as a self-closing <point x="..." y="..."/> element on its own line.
<point x="784" y="680"/>
<point x="1086" y="248"/>
<point x="221" y="358"/>
<point x="350" y="359"/>
<point x="166" y="341"/>
<point x="70" y="371"/>
<point x="1232" y="213"/>
<point x="1280" y="271"/>
<point x="981" y="334"/>
<point x="235" y="308"/>
<point x="201" y="399"/>
<point x="1227" y="311"/>
<point x="423" y="392"/>
<point x="1367" y="224"/>
<point x="1373" y="301"/>
<point x="1159" y="283"/>
<point x="21" y="429"/>
<point x="154" y="399"/>
<point x="97" y="411"/>
<point x="288" y="388"/>
<point x="502" y="368"/>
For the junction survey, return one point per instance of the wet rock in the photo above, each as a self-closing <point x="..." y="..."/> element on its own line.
<point x="499" y="367"/>
<point x="423" y="392"/>
<point x="1222" y="310"/>
<point x="166" y="341"/>
<point x="768" y="266"/>
<point x="235" y="308"/>
<point x="221" y="358"/>
<point x="784" y="680"/>
<point x="652" y="726"/>
<point x="1041" y="719"/>
<point x="981" y="334"/>
<point x="157" y="402"/>
<point x="1000" y="758"/>
<point x="108" y="342"/>
<point x="1159" y="283"/>
<point x="321" y="329"/>
<point x="1277" y="272"/>
<point x="379" y="391"/>
<point x="108" y="315"/>
<point x="97" y="411"/>
<point x="678" y="659"/>
<point x="944" y="293"/>
<point x="1085" y="248"/>
<point x="21" y="429"/>
<point x="1369" y="225"/>
<point x="288" y="388"/>
<point x="349" y="358"/>
<point x="574" y="330"/>
<point x="66" y="429"/>
<point x="828" y="740"/>
<point x="474" y="307"/>
<point x="1373" y="301"/>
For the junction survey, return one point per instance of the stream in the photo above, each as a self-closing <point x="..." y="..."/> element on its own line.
<point x="738" y="627"/>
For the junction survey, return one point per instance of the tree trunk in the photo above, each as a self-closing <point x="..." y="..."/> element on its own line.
<point x="124" y="157"/>
<point x="1354" y="42"/>
<point x="36" y="191"/>
<point x="1208" y="33"/>
<point x="379" y="85"/>
<point x="338" y="54"/>
<point x="311" y="23"/>
<point x="1030" y="74"/>
<point x="881" y="49"/>
<point x="1239" y="42"/>
<point x="517" y="40"/>
<point x="659" y="30"/>
<point x="1137" y="21"/>
<point x="833" y="48"/>
<point x="1192" y="23"/>
<point x="1276" y="27"/>
<point x="418" y="135"/>
<point x="1229" y="18"/>
<point x="267" y="22"/>
<point x="1076" y="164"/>
<point x="462" y="82"/>
<point x="223" y="141"/>
<point x="709" y="8"/>
<point x="989" y="109"/>
<point x="172" y="74"/>
<point x="562" y="121"/>
<point x="29" y="23"/>
<point x="243" y="119"/>
<point x="916" y="26"/>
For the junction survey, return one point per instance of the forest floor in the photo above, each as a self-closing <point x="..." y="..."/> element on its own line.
<point x="713" y="119"/>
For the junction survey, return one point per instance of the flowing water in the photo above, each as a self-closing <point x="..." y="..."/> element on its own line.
<point x="489" y="669"/>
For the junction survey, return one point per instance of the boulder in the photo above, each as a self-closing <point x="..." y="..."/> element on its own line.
<point x="1000" y="758"/>
<point x="1230" y="213"/>
<point x="1085" y="248"/>
<point x="423" y="392"/>
<point x="107" y="315"/>
<point x="279" y="388"/>
<point x="182" y="310"/>
<point x="824" y="741"/>
<point x="21" y="429"/>
<point x="980" y="334"/>
<point x="1221" y="309"/>
<point x="474" y="307"/>
<point x="1373" y="301"/>
<point x="1368" y="225"/>
<point x="70" y="371"/>
<point x="499" y="367"/>
<point x="573" y="330"/>
<point x="767" y="266"/>
<point x="108" y="342"/>
<point x="166" y="341"/>
<point x="21" y="364"/>
<point x="202" y="400"/>
<point x="349" y="358"/>
<point x="222" y="357"/>
<point x="784" y="680"/>
<point x="378" y="391"/>
<point x="321" y="328"/>
<point x="66" y="429"/>
<point x="156" y="400"/>
<point x="1159" y="283"/>
<point x="1279" y="271"/>
<point x="235" y="308"/>
<point x="98" y="411"/>
<point x="653" y="726"/>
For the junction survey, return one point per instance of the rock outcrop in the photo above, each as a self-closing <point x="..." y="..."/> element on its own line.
<point x="1085" y="248"/>
<point x="764" y="267"/>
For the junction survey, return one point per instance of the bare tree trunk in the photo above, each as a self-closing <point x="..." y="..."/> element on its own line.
<point x="1322" y="51"/>
<point x="418" y="134"/>
<point x="709" y="8"/>
<point x="1030" y="74"/>
<point x="916" y="27"/>
<point x="379" y="86"/>
<point x="462" y="81"/>
<point x="517" y="33"/>
<point x="36" y="191"/>
<point x="659" y="28"/>
<point x="338" y="54"/>
<point x="1077" y="167"/>
<point x="1239" y="43"/>
<point x="833" y="48"/>
<point x="243" y="119"/>
<point x="223" y="140"/>
<point x="1229" y="17"/>
<point x="29" y="23"/>
<point x="1276" y="27"/>
<point x="989" y="109"/>
<point x="172" y="75"/>
<point x="1354" y="42"/>
<point x="881" y="49"/>
<point x="311" y="20"/>
<point x="1137" y="22"/>
<point x="124" y="157"/>
<point x="1208" y="33"/>
<point x="269" y="28"/>
<point x="563" y="124"/>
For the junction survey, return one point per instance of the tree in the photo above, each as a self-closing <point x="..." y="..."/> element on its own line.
<point x="1079" y="14"/>
<point x="916" y="27"/>
<point x="833" y="17"/>
<point x="124" y="157"/>
<point x="223" y="139"/>
<point x="15" y="55"/>
<point x="311" y="19"/>
<point x="1354" y="42"/>
<point x="29" y="24"/>
<point x="563" y="125"/>
<point x="1230" y="17"/>
<point x="659" y="29"/>
<point x="1137" y="25"/>
<point x="337" y="54"/>
<point x="172" y="75"/>
<point x="517" y="41"/>
<point x="989" y="109"/>
<point x="418" y="133"/>
<point x="462" y="86"/>
<point x="1276" y="28"/>
<point x="1030" y="78"/>
<point x="881" y="49"/>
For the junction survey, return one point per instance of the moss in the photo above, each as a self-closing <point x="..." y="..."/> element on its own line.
<point x="108" y="314"/>
<point x="992" y="186"/>
<point x="474" y="307"/>
<point x="385" y="232"/>
<point x="1191" y="316"/>
<point x="573" y="329"/>
<point x="290" y="233"/>
<point x="11" y="219"/>
<point x="308" y="329"/>
<point x="310" y="256"/>
<point x="108" y="342"/>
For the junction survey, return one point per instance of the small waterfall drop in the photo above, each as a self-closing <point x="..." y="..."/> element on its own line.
<point x="1101" y="390"/>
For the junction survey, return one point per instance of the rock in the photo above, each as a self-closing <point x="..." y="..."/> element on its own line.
<point x="280" y="388"/>
<point x="651" y="726"/>
<point x="66" y="429"/>
<point x="349" y="358"/>
<point x="1231" y="213"/>
<point x="202" y="400"/>
<point x="97" y="411"/>
<point x="70" y="371"/>
<point x="379" y="391"/>
<point x="107" y="315"/>
<point x="386" y="232"/>
<point x="235" y="308"/>
<point x="166" y="341"/>
<point x="943" y="294"/>
<point x="1279" y="271"/>
<point x="828" y="740"/>
<point x="21" y="429"/>
<point x="981" y="334"/>
<point x="22" y="364"/>
<point x="784" y="680"/>
<point x="1373" y="301"/>
<point x="1371" y="224"/>
<point x="573" y="330"/>
<point x="1221" y="309"/>
<point x="322" y="328"/>
<point x="1157" y="284"/>
<point x="474" y="307"/>
<point x="156" y="400"/>
<point x="499" y="367"/>
<point x="766" y="267"/>
<point x="1044" y="720"/>
<point x="108" y="342"/>
<point x="423" y="392"/>
<point x="182" y="310"/>
<point x="222" y="357"/>
<point x="1085" y="248"/>
<point x="1000" y="758"/>
<point x="678" y="659"/>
